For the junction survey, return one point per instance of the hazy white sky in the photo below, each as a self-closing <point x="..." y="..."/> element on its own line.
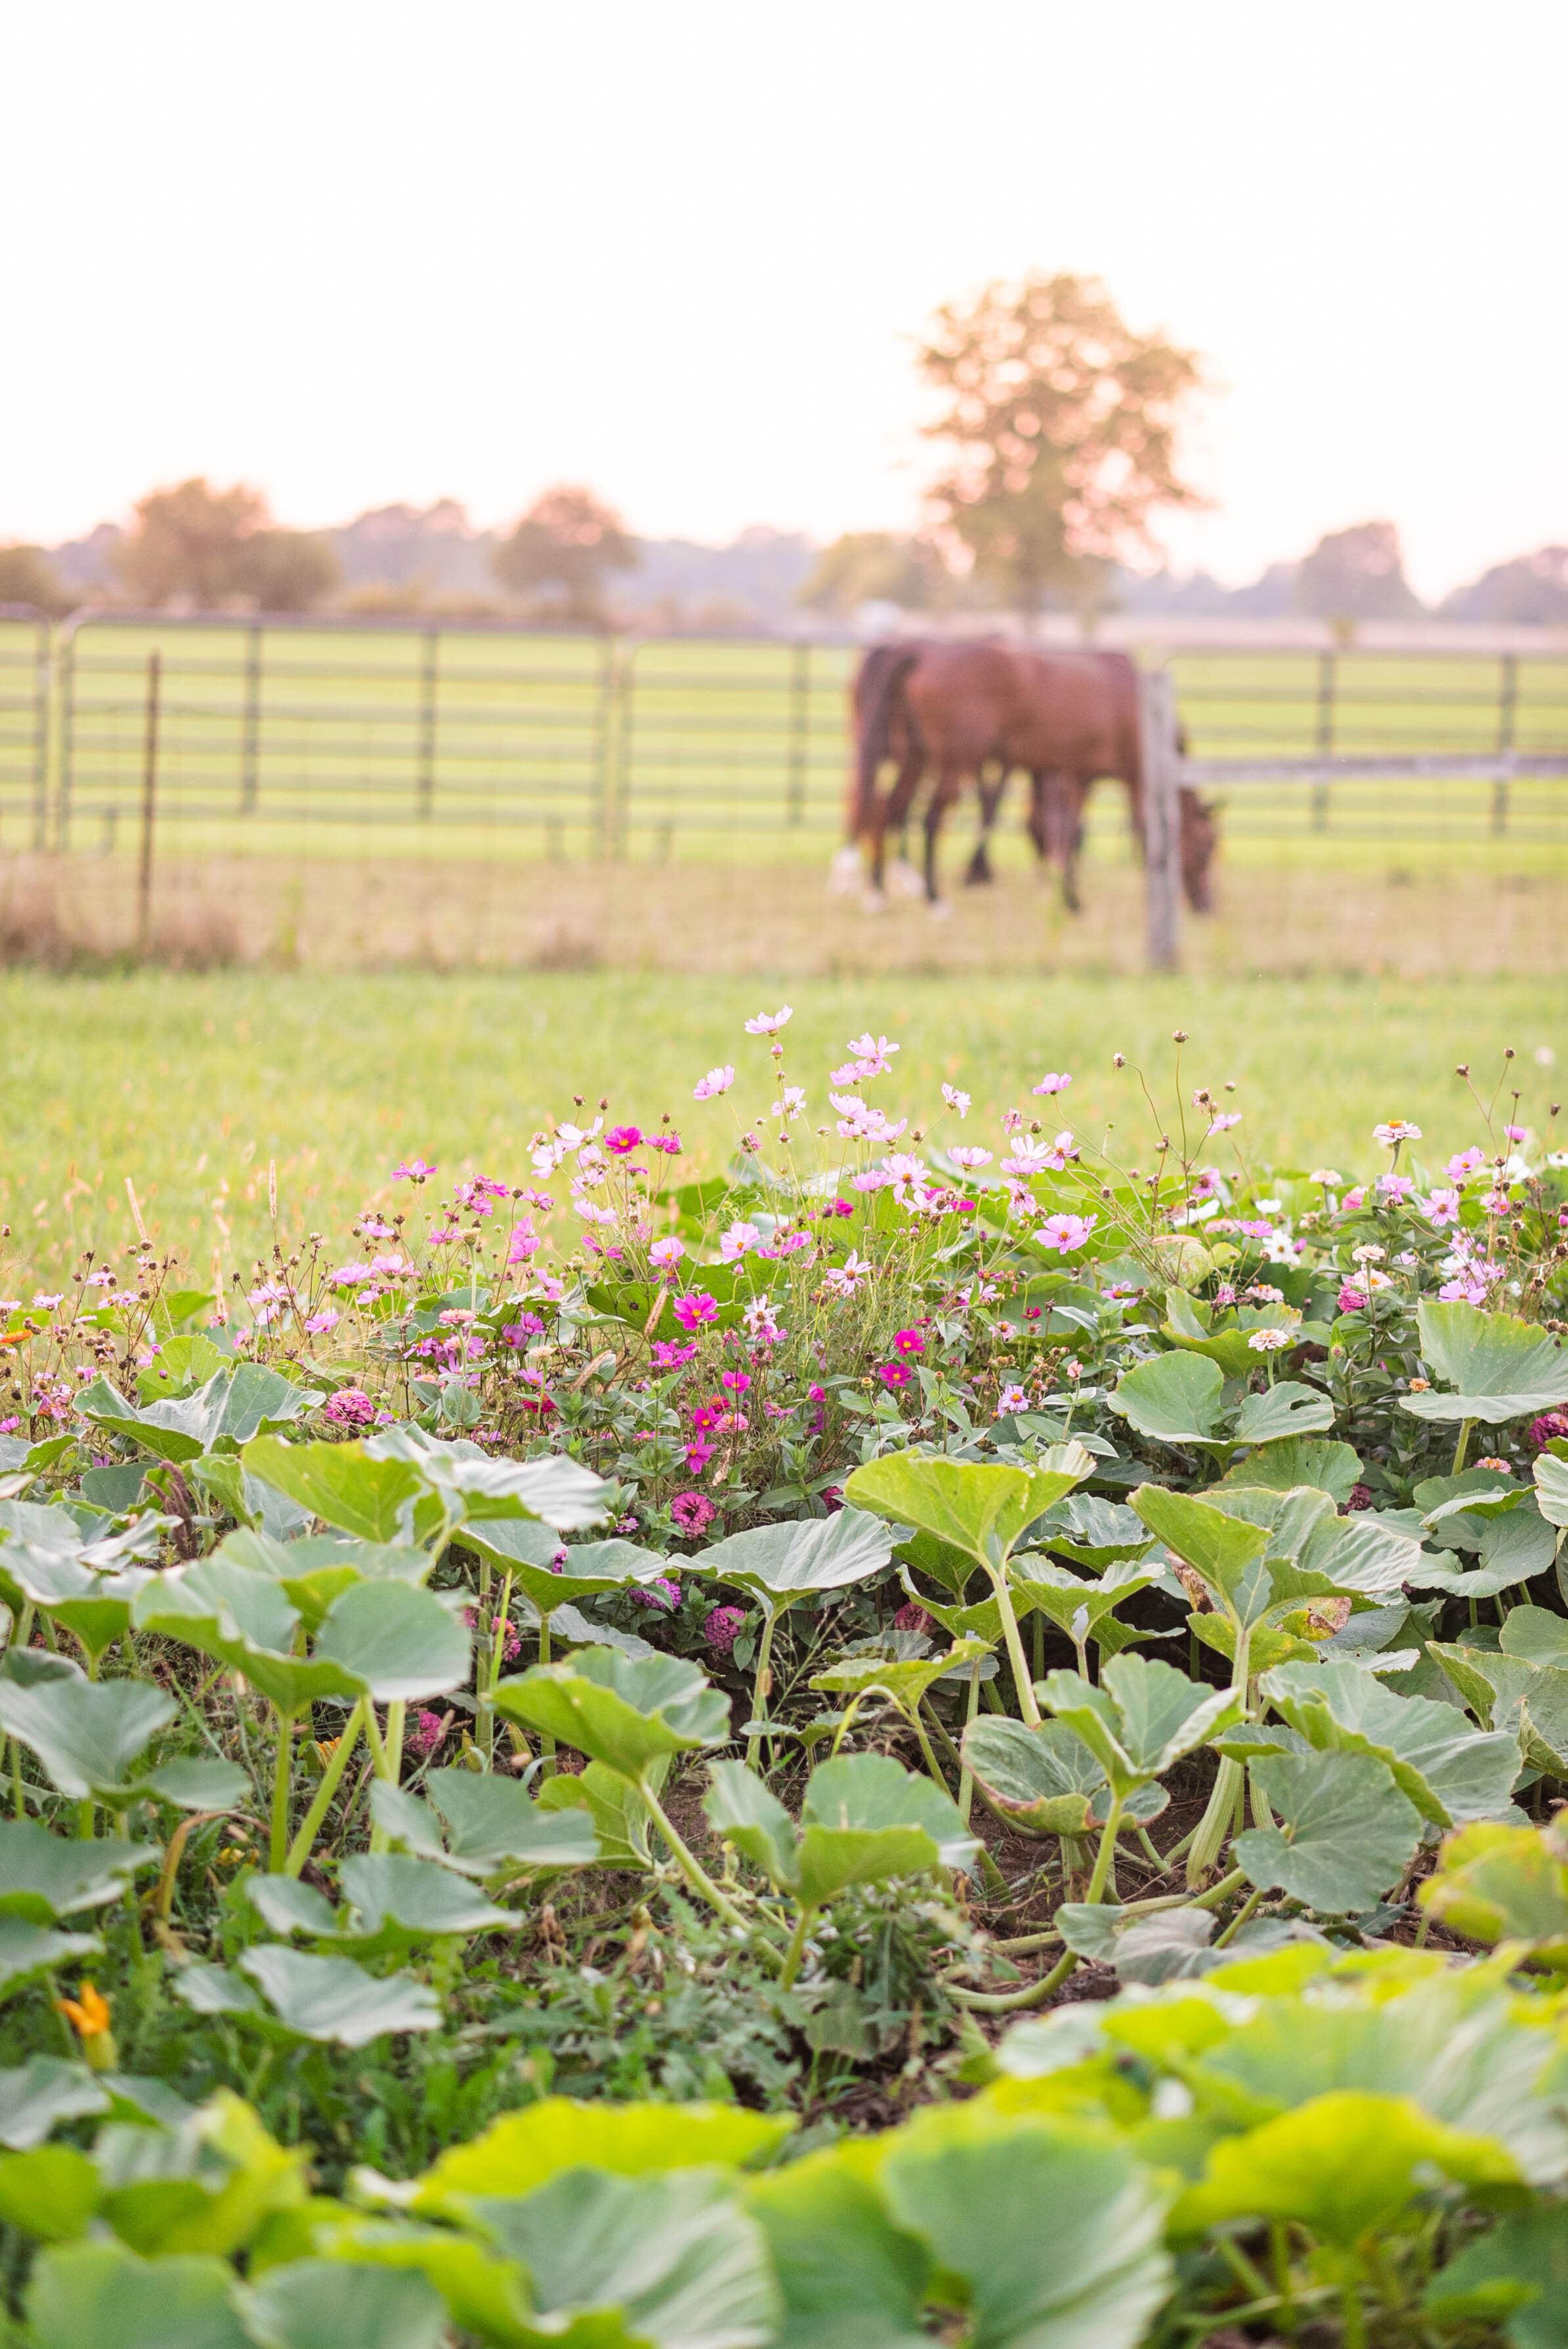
<point x="356" y="253"/>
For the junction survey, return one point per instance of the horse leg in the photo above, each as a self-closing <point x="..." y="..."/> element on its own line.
<point x="1075" y="797"/>
<point x="941" y="799"/>
<point x="978" y="871"/>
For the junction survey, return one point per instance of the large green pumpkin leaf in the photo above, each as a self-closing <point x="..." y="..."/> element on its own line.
<point x="395" y="1640"/>
<point x="1497" y="1883"/>
<point x="739" y="1806"/>
<point x="1054" y="2227"/>
<point x="245" y="1621"/>
<point x="850" y="2278"/>
<point x="1091" y="1532"/>
<point x="1550" y="1474"/>
<point x="1285" y="1412"/>
<point x="624" y="1711"/>
<point x="972" y="1506"/>
<point x="333" y="2304"/>
<point x="95" y="1605"/>
<point x="1452" y="1773"/>
<point x="491" y="1823"/>
<point x="86" y="1734"/>
<point x="44" y="1877"/>
<point x="1346" y="1831"/>
<point x="864" y="1818"/>
<point x="376" y="1500"/>
<point x="1142" y="1718"/>
<point x="1293" y="1460"/>
<point x="101" y="2296"/>
<point x="904" y="1678"/>
<point x="1344" y="2166"/>
<point x="555" y="1487"/>
<point x="618" y="1816"/>
<point x="396" y="1902"/>
<point x="1175" y="1399"/>
<point x="1502" y="1368"/>
<point x="1225" y="1550"/>
<point x="523" y="2150"/>
<point x="28" y="1950"/>
<point x="783" y="1562"/>
<point x="1067" y="1601"/>
<point x="673" y="2260"/>
<point x="41" y="2092"/>
<point x="333" y="1999"/>
<point x="235" y="1404"/>
<point x="1516" y="2275"/>
<point x="1046" y="1778"/>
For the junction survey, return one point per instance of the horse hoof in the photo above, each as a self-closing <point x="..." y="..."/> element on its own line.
<point x="844" y="872"/>
<point x="941" y="910"/>
<point x="875" y="901"/>
<point x="903" y="881"/>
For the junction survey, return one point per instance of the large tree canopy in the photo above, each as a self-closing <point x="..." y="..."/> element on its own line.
<point x="1058" y="426"/>
<point x="568" y="540"/>
<point x="211" y="548"/>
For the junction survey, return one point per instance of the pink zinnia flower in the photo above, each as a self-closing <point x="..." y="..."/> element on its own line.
<point x="722" y="1626"/>
<point x="695" y="1308"/>
<point x="911" y="1617"/>
<point x="693" y="1513"/>
<point x="1551" y="1424"/>
<point x="1442" y="1207"/>
<point x="622" y="1138"/>
<point x="1351" y="1299"/>
<point x="660" y="1592"/>
<point x="1360" y="1497"/>
<point x="1395" y="1186"/>
<point x="424" y="1733"/>
<point x="351" y="1407"/>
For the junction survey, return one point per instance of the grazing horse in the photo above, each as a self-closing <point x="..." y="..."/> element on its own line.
<point x="956" y="710"/>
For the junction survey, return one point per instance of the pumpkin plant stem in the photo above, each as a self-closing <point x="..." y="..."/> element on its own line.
<point x="797" y="1949"/>
<point x="546" y="1744"/>
<point x="282" y="1772"/>
<point x="693" y="1869"/>
<point x="1025" y="1685"/>
<point x="1460" y="1448"/>
<point x="1237" y="1920"/>
<point x="300" y="1849"/>
<point x="761" y="1685"/>
<point x="1010" y="2002"/>
<point x="966" y="1776"/>
<point x="1103" y="1856"/>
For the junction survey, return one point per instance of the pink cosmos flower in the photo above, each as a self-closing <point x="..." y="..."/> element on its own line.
<point x="1053" y="1083"/>
<point x="667" y="1357"/>
<point x="867" y="1047"/>
<point x="793" y="1242"/>
<point x="522" y="1243"/>
<point x="737" y="1382"/>
<point x="1226" y="1119"/>
<point x="1442" y="1207"/>
<point x="956" y="1099"/>
<point x="717" y="1081"/>
<point x="518" y="1333"/>
<point x="9" y="1426"/>
<point x="790" y="1101"/>
<point x="693" y="1513"/>
<point x="969" y="1157"/>
<point x="909" y="1342"/>
<point x="351" y="1407"/>
<point x="391" y="1268"/>
<point x="320" y="1323"/>
<point x="875" y="1178"/>
<point x="669" y="1143"/>
<point x="413" y="1170"/>
<point x="895" y="1375"/>
<point x="1065" y="1233"/>
<point x="722" y="1626"/>
<point x="698" y="1454"/>
<point x="845" y="1278"/>
<point x="1353" y="1199"/>
<point x="734" y="1243"/>
<point x="666" y="1254"/>
<point x="477" y="1193"/>
<point x="768" y="1023"/>
<point x="546" y="1286"/>
<point x="1515" y="1132"/>
<point x="1395" y="1186"/>
<point x="844" y="1207"/>
<point x="623" y="1138"/>
<point x="1256" y="1229"/>
<point x="1464" y="1162"/>
<point x="1497" y="1203"/>
<point x="695" y="1308"/>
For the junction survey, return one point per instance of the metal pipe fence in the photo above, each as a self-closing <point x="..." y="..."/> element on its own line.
<point x="284" y="737"/>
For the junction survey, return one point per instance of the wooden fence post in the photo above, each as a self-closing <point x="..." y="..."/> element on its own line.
<point x="149" y="805"/>
<point x="1161" y="818"/>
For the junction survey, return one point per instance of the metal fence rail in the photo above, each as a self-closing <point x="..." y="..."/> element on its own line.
<point x="350" y="737"/>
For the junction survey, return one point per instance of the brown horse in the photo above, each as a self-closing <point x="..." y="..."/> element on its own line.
<point x="964" y="711"/>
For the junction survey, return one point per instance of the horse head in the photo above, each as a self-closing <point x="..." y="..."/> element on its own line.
<point x="1199" y="839"/>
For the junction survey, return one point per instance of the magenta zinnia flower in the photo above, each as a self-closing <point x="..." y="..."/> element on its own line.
<point x="351" y="1407"/>
<point x="693" y="1513"/>
<point x="720" y="1627"/>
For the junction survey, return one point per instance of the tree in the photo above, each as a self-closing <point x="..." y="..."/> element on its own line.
<point x="1357" y="574"/>
<point x="873" y="566"/>
<point x="1532" y="590"/>
<point x="28" y="576"/>
<point x="211" y="547"/>
<point x="1059" y="425"/>
<point x="567" y="541"/>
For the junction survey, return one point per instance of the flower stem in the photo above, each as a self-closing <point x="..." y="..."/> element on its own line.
<point x="546" y="1744"/>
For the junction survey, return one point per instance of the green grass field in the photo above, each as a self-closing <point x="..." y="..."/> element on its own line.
<point x="191" y="1086"/>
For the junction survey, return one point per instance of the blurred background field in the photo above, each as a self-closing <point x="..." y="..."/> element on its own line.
<point x="192" y="1085"/>
<point x="352" y="796"/>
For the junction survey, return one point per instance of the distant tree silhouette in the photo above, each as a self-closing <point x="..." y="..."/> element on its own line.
<point x="1357" y="574"/>
<point x="568" y="540"/>
<point x="211" y="548"/>
<point x="1531" y="591"/>
<point x="874" y="566"/>
<point x="28" y="576"/>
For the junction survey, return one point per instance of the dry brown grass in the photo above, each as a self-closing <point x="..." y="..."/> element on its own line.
<point x="738" y="918"/>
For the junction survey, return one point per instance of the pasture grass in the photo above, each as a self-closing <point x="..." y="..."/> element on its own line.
<point x="192" y="1085"/>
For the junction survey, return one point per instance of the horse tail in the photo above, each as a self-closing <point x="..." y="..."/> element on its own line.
<point x="878" y="691"/>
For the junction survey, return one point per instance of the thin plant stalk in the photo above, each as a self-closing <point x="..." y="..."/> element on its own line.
<point x="761" y="1685"/>
<point x="1460" y="1449"/>
<point x="331" y="1777"/>
<point x="1025" y="1686"/>
<point x="283" y="1767"/>
<point x="966" y="1778"/>
<point x="1230" y="1783"/>
<point x="547" y="1742"/>
<point x="1108" y="1846"/>
<point x="1239" y="1920"/>
<point x="797" y="1949"/>
<point x="693" y="1869"/>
